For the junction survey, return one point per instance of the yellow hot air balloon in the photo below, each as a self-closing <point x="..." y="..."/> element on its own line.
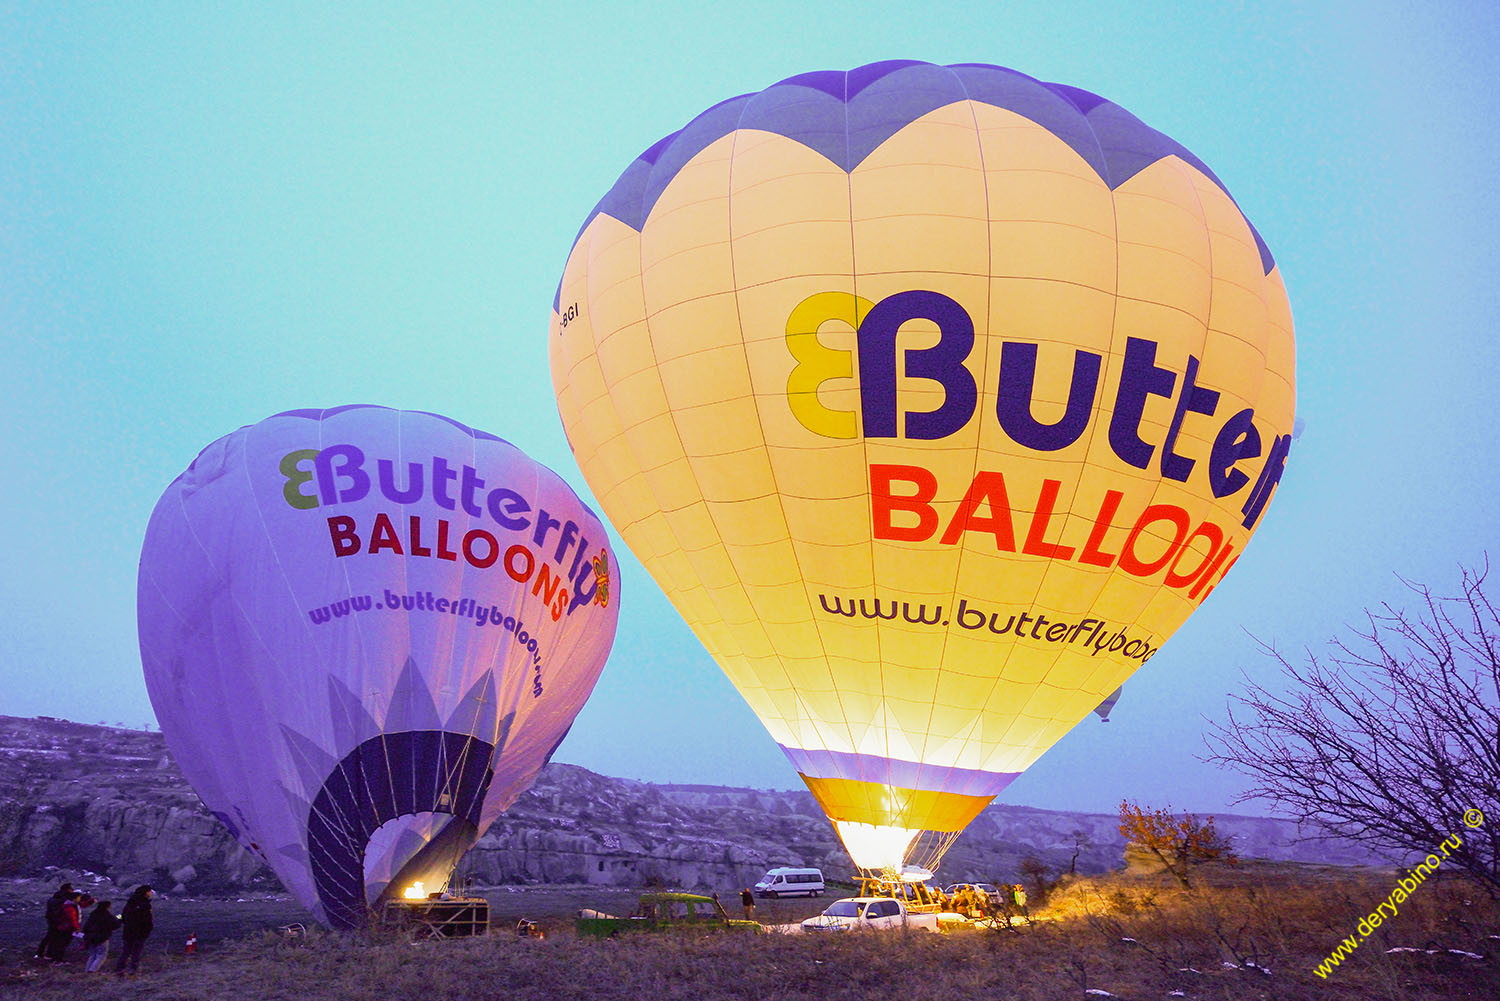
<point x="935" y="399"/>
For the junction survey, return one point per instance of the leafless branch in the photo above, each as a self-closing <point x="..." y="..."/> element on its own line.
<point x="1388" y="737"/>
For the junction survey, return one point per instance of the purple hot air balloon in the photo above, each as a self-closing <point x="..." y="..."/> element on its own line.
<point x="364" y="632"/>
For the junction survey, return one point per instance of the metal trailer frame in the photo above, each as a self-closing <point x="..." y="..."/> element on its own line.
<point x="450" y="917"/>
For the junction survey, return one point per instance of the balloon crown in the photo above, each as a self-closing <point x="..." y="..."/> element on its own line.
<point x="847" y="115"/>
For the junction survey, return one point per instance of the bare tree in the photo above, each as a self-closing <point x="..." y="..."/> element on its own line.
<point x="1392" y="738"/>
<point x="1081" y="841"/>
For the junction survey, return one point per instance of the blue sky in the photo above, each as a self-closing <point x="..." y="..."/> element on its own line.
<point x="209" y="214"/>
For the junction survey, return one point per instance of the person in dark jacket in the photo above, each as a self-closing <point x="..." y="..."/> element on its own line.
<point x="135" y="928"/>
<point x="53" y="915"/>
<point x="96" y="934"/>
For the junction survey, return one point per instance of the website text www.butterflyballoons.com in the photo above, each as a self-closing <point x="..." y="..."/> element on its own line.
<point x="1404" y="887"/>
<point x="1097" y="635"/>
<point x="479" y="613"/>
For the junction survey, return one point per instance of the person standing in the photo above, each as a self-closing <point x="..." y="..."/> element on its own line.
<point x="135" y="927"/>
<point x="747" y="901"/>
<point x="96" y="934"/>
<point x="69" y="926"/>
<point x="53" y="916"/>
<point x="98" y="931"/>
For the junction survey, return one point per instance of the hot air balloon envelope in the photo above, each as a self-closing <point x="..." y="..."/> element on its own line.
<point x="1103" y="709"/>
<point x="364" y="632"/>
<point x="935" y="398"/>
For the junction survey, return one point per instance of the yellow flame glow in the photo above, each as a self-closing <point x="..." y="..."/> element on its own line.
<point x="416" y="891"/>
<point x="872" y="846"/>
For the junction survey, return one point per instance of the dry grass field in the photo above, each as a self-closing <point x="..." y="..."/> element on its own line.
<point x="1251" y="932"/>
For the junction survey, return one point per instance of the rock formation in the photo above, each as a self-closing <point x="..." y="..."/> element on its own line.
<point x="112" y="801"/>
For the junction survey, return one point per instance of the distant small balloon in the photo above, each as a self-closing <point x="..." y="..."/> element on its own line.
<point x="364" y="632"/>
<point x="1102" y="710"/>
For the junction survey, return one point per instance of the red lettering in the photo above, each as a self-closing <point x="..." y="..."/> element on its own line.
<point x="1038" y="530"/>
<point x="417" y="549"/>
<point x="545" y="579"/>
<point x="1130" y="562"/>
<point x="341" y="532"/>
<point x="488" y="560"/>
<point x="989" y="488"/>
<point x="1223" y="553"/>
<point x="519" y="576"/>
<point x="1215" y="536"/>
<point x="384" y="536"/>
<point x="444" y="553"/>
<point x="883" y="502"/>
<point x="1091" y="553"/>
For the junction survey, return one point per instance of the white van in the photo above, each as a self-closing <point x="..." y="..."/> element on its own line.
<point x="784" y="882"/>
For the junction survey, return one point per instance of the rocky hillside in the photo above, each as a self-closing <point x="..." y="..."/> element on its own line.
<point x="112" y="801"/>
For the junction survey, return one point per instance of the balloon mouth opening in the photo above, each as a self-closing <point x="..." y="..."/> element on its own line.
<point x="429" y="867"/>
<point x="874" y="846"/>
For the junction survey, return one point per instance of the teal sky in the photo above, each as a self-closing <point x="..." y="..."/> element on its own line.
<point x="212" y="213"/>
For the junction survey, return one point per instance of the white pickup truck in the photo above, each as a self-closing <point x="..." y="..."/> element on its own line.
<point x="869" y="913"/>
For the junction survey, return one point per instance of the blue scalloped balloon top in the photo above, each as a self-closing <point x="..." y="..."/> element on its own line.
<point x="846" y="116"/>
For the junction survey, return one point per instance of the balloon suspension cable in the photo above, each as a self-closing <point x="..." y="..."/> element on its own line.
<point x="918" y="864"/>
<point x="930" y="847"/>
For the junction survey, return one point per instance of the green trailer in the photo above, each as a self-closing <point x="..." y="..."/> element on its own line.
<point x="664" y="912"/>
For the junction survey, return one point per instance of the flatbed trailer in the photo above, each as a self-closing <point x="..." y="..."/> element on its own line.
<point x="660" y="912"/>
<point x="448" y="917"/>
<point x="917" y="897"/>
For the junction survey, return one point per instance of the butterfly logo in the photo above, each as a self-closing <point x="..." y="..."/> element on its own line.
<point x="601" y="579"/>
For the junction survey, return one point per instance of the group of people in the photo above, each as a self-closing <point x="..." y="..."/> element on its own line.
<point x="66" y="924"/>
<point x="967" y="901"/>
<point x="975" y="903"/>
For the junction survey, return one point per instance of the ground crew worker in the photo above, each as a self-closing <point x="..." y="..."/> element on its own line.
<point x="53" y="918"/>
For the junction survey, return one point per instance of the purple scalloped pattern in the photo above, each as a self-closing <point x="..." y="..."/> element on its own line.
<point x="846" y="116"/>
<point x="319" y="415"/>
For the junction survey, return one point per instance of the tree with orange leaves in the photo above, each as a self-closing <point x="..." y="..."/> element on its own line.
<point x="1176" y="840"/>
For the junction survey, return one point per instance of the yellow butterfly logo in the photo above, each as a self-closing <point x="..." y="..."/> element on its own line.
<point x="601" y="577"/>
